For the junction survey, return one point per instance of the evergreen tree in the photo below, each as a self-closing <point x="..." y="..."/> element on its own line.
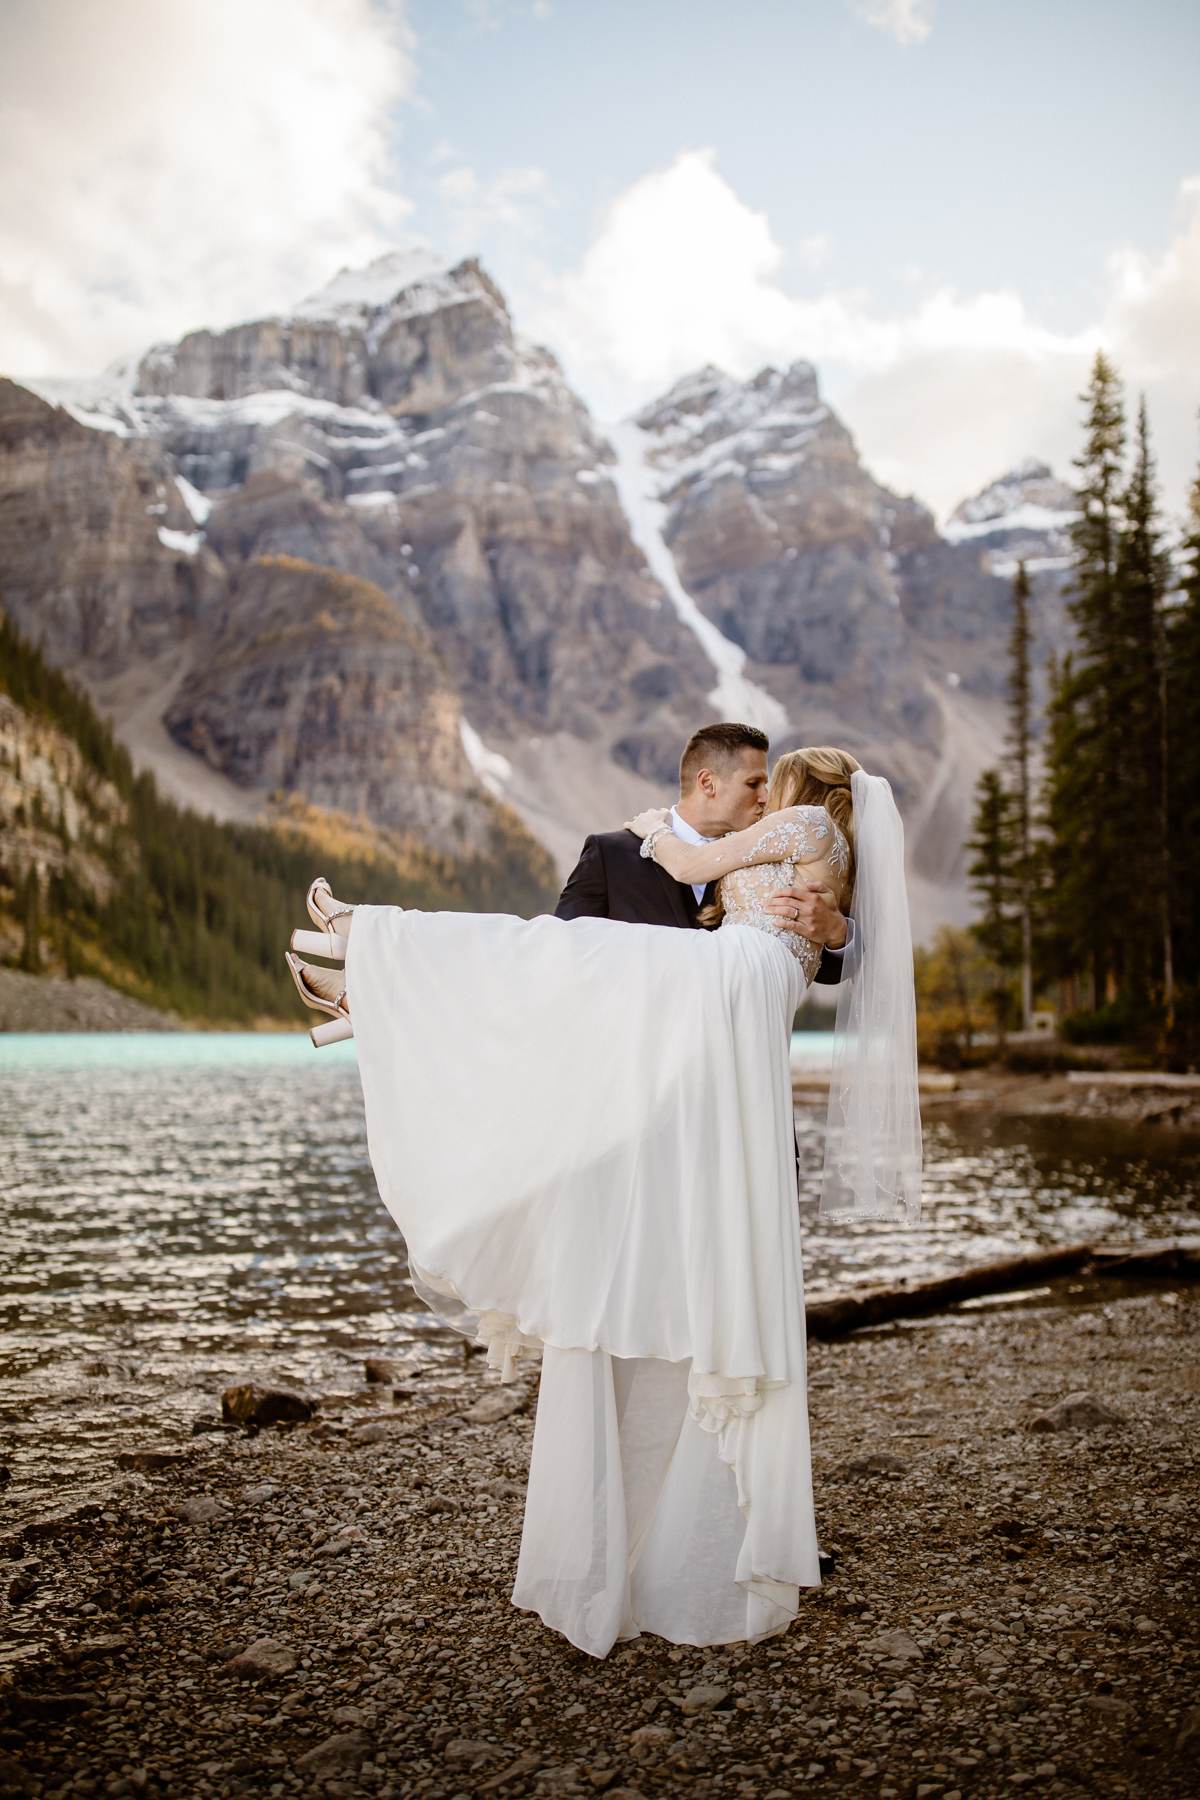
<point x="199" y="910"/>
<point x="1182" y="662"/>
<point x="1020" y="751"/>
<point x="991" y="876"/>
<point x="31" y="924"/>
<point x="1062" y="946"/>
<point x="1098" y="674"/>
<point x="1140" y="682"/>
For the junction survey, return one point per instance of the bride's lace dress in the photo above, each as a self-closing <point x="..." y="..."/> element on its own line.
<point x="584" y="1131"/>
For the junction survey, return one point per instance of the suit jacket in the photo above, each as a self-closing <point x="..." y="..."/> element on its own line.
<point x="613" y="880"/>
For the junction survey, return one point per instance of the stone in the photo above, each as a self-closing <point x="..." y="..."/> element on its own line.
<point x="378" y="1368"/>
<point x="375" y="1431"/>
<point x="1187" y="1743"/>
<point x="249" y="1404"/>
<point x="897" y="1646"/>
<point x="1077" y="1412"/>
<point x="262" y="1490"/>
<point x="13" y="1778"/>
<point x="111" y="1644"/>
<point x="703" y="1698"/>
<point x="491" y="1407"/>
<point x="340" y="1754"/>
<point x="348" y="1715"/>
<point x="879" y="1462"/>
<point x="647" y="1737"/>
<point x="470" y="1751"/>
<point x="442" y="1503"/>
<point x="265" y="1657"/>
<point x="149" y="1462"/>
<point x="203" y="1509"/>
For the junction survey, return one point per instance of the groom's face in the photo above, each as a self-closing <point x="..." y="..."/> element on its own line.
<point x="739" y="793"/>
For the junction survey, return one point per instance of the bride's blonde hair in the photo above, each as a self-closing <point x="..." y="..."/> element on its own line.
<point x="816" y="776"/>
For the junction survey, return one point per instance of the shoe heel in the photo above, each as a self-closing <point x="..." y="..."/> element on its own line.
<point x="320" y="943"/>
<point x="334" y="1033"/>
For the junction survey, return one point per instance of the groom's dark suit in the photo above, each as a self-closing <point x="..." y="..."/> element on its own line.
<point x="613" y="880"/>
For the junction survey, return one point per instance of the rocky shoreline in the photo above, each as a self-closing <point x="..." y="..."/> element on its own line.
<point x="322" y="1606"/>
<point x="1155" y="1101"/>
<point x="51" y="1003"/>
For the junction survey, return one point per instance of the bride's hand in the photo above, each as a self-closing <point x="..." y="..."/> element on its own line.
<point x="645" y="822"/>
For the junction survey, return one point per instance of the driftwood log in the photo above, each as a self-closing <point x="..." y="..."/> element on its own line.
<point x="1178" y="1258"/>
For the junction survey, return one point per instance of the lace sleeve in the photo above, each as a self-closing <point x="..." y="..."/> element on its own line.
<point x="798" y="834"/>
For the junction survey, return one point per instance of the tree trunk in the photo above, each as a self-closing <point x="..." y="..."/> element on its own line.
<point x="1179" y="1258"/>
<point x="1026" y="965"/>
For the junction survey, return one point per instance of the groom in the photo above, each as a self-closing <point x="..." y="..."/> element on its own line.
<point x="722" y="788"/>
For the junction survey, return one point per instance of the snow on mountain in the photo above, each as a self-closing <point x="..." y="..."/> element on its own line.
<point x="197" y="503"/>
<point x="638" y="485"/>
<point x="724" y="553"/>
<point x="710" y="425"/>
<point x="1022" y="516"/>
<point x="381" y="281"/>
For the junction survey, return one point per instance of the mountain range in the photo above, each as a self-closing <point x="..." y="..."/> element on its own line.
<point x="377" y="554"/>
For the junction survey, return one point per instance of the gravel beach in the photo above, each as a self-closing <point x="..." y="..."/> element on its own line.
<point x="324" y="1608"/>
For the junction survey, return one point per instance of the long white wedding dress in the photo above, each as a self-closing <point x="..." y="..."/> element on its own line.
<point x="584" y="1131"/>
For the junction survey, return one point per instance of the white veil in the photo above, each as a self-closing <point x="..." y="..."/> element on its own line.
<point x="873" y="1133"/>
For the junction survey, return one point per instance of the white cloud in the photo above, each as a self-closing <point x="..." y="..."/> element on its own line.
<point x="183" y="165"/>
<point x="475" y="206"/>
<point x="908" y="21"/>
<point x="814" y="251"/>
<point x="1154" y="306"/>
<point x="940" y="397"/>
<point x="681" y="272"/>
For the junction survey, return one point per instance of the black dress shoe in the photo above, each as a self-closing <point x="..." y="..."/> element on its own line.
<point x="827" y="1561"/>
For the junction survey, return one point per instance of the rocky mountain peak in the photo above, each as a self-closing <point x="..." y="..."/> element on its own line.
<point x="442" y="333"/>
<point x="1028" y="494"/>
<point x="374" y="551"/>
<point x="708" y="396"/>
<point x="1023" y="515"/>
<point x="377" y="284"/>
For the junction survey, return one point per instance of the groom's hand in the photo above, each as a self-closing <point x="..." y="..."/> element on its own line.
<point x="811" y="910"/>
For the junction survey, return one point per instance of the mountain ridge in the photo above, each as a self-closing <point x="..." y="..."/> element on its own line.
<point x="592" y="594"/>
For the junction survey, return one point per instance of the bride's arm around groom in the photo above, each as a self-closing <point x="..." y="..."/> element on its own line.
<point x="722" y="789"/>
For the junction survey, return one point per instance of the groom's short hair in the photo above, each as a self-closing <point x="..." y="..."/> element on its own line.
<point x="716" y="747"/>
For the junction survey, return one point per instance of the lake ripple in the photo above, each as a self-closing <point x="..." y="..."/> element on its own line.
<point x="185" y="1210"/>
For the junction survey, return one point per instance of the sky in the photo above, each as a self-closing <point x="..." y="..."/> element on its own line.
<point x="945" y="205"/>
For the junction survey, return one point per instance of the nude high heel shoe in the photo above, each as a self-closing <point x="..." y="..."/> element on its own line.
<point x="338" y="1010"/>
<point x="327" y="941"/>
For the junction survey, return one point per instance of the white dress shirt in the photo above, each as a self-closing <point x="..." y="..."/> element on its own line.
<point x="690" y="835"/>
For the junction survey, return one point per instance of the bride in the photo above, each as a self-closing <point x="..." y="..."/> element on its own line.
<point x="584" y="1131"/>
